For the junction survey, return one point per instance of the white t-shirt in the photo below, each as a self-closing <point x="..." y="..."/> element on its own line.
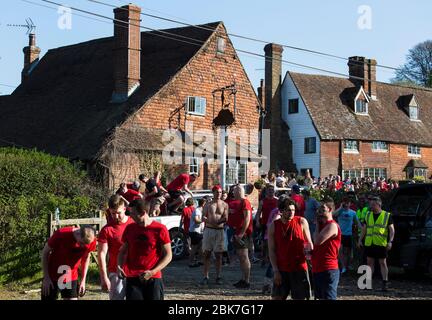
<point x="195" y="227"/>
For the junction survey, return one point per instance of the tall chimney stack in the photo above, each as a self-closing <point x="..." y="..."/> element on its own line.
<point x="127" y="52"/>
<point x="360" y="67"/>
<point x="31" y="57"/>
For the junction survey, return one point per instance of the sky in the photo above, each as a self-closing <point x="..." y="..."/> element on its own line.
<point x="381" y="29"/>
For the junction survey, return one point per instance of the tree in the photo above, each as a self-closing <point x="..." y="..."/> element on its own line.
<point x="418" y="68"/>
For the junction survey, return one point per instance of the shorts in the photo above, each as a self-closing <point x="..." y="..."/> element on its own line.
<point x="376" y="252"/>
<point x="244" y="243"/>
<point x="70" y="291"/>
<point x="118" y="287"/>
<point x="326" y="284"/>
<point x="347" y="241"/>
<point x="151" y="289"/>
<point x="175" y="194"/>
<point x="213" y="240"/>
<point x="157" y="201"/>
<point x="195" y="237"/>
<point x="295" y="283"/>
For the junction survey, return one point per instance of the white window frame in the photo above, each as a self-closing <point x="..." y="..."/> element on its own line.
<point x="352" y="173"/>
<point x="415" y="147"/>
<point x="234" y="170"/>
<point x="416" y="118"/>
<point x="376" y="172"/>
<point x="220" y="45"/>
<point x="194" y="165"/>
<point x="377" y="146"/>
<point x="202" y="103"/>
<point x="350" y="150"/>
<point x="361" y="91"/>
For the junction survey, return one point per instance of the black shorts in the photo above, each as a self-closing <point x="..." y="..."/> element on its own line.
<point x="151" y="289"/>
<point x="70" y="291"/>
<point x="175" y="194"/>
<point x="243" y="243"/>
<point x="376" y="252"/>
<point x="295" y="283"/>
<point x="195" y="237"/>
<point x="347" y="241"/>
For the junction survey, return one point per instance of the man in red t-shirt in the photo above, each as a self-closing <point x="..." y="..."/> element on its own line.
<point x="266" y="206"/>
<point x="129" y="194"/>
<point x="110" y="241"/>
<point x="185" y="220"/>
<point x="327" y="242"/>
<point x="299" y="200"/>
<point x="288" y="237"/>
<point x="243" y="226"/>
<point x="67" y="250"/>
<point x="175" y="189"/>
<point x="146" y="250"/>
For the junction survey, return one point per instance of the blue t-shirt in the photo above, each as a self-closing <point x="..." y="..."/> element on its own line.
<point x="311" y="206"/>
<point x="346" y="219"/>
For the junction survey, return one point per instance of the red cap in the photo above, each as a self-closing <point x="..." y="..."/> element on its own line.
<point x="216" y="188"/>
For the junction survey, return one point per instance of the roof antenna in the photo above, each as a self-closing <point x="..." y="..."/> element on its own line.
<point x="29" y="25"/>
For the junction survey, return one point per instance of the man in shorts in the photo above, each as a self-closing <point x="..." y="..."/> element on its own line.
<point x="176" y="187"/>
<point x="287" y="237"/>
<point x="109" y="243"/>
<point x="155" y="194"/>
<point x="66" y="251"/>
<point x="215" y="215"/>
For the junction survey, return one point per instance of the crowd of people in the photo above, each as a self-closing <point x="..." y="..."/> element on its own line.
<point x="306" y="244"/>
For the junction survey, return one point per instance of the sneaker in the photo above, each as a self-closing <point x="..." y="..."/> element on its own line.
<point x="238" y="283"/>
<point x="219" y="280"/>
<point x="243" y="285"/>
<point x="254" y="260"/>
<point x="266" y="289"/>
<point x="205" y="281"/>
<point x="384" y="286"/>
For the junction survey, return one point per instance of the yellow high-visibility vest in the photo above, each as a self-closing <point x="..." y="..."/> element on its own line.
<point x="377" y="231"/>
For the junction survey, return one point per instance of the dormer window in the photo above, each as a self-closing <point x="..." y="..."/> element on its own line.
<point x="361" y="102"/>
<point x="410" y="106"/>
<point x="413" y="112"/>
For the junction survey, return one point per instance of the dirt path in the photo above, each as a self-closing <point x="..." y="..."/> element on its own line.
<point x="182" y="283"/>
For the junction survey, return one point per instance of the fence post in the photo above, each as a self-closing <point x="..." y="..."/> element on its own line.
<point x="49" y="224"/>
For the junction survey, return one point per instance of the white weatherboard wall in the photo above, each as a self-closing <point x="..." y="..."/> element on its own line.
<point x="301" y="127"/>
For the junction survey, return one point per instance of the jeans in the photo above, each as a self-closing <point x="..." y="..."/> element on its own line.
<point x="326" y="284"/>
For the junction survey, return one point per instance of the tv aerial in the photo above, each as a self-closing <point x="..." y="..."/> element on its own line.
<point x="29" y="25"/>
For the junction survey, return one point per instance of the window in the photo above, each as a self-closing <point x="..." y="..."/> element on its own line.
<point x="413" y="150"/>
<point x="194" y="165"/>
<point x="310" y="145"/>
<point x="303" y="171"/>
<point x="351" y="173"/>
<point x="236" y="172"/>
<point x="416" y="172"/>
<point x="196" y="105"/>
<point x="379" y="146"/>
<point x="361" y="106"/>
<point x="220" y="45"/>
<point x="375" y="173"/>
<point x="351" y="146"/>
<point x="413" y="113"/>
<point x="293" y="106"/>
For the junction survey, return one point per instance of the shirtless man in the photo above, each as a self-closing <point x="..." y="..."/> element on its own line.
<point x="215" y="215"/>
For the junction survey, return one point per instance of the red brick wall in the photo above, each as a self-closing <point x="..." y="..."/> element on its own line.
<point x="366" y="158"/>
<point x="400" y="158"/>
<point x="330" y="154"/>
<point x="206" y="72"/>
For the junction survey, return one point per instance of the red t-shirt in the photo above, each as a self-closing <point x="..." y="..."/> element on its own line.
<point x="339" y="185"/>
<point x="289" y="242"/>
<point x="267" y="206"/>
<point x="178" y="183"/>
<point x="131" y="195"/>
<point x="112" y="235"/>
<point x="236" y="217"/>
<point x="298" y="199"/>
<point x="144" y="247"/>
<point x="67" y="251"/>
<point x="325" y="256"/>
<point x="186" y="216"/>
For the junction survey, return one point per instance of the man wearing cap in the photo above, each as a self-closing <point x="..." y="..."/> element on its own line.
<point x="109" y="243"/>
<point x="379" y="231"/>
<point x="298" y="199"/>
<point x="175" y="189"/>
<point x="146" y="250"/>
<point x="215" y="215"/>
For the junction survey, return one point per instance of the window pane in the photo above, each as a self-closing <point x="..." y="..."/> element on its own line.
<point x="413" y="111"/>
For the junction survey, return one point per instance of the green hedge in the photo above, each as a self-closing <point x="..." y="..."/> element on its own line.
<point x="32" y="185"/>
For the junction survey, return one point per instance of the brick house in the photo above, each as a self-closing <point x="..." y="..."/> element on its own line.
<point x="350" y="126"/>
<point x="117" y="103"/>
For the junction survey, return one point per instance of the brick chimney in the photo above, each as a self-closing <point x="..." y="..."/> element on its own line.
<point x="31" y="57"/>
<point x="364" y="68"/>
<point x="126" y="51"/>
